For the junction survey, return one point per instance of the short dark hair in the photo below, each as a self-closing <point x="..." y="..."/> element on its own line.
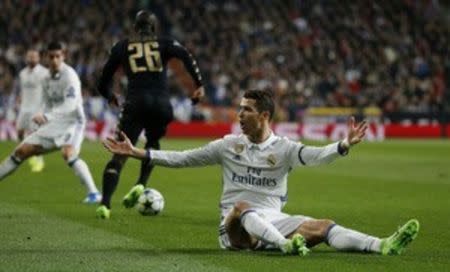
<point x="264" y="100"/>
<point x="55" y="45"/>
<point x="145" y="22"/>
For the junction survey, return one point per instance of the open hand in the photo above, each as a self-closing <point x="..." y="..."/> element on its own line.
<point x="120" y="147"/>
<point x="356" y="131"/>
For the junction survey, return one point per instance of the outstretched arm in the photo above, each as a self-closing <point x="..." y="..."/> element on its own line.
<point x="206" y="155"/>
<point x="312" y="155"/>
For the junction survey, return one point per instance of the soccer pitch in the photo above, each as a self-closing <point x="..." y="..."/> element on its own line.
<point x="44" y="227"/>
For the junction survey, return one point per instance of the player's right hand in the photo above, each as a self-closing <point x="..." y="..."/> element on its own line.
<point x="39" y="119"/>
<point x="120" y="147"/>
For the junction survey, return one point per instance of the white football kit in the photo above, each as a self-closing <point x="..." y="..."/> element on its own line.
<point x="255" y="173"/>
<point x="63" y="109"/>
<point x="31" y="91"/>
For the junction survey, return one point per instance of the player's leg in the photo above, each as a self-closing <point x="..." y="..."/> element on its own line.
<point x="245" y="227"/>
<point x="80" y="168"/>
<point x="153" y="136"/>
<point x="132" y="128"/>
<point x="24" y="127"/>
<point x="345" y="239"/>
<point x="324" y="230"/>
<point x="155" y="129"/>
<point x="20" y="154"/>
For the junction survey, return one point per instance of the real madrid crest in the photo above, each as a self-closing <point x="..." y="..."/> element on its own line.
<point x="238" y="148"/>
<point x="271" y="160"/>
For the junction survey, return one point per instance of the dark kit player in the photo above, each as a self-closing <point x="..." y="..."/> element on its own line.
<point x="145" y="58"/>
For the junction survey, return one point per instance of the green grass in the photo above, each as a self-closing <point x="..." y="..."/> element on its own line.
<point x="43" y="226"/>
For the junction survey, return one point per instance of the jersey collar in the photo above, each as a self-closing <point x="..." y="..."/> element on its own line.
<point x="260" y="146"/>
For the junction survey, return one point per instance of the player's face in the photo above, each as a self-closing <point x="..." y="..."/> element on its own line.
<point x="250" y="119"/>
<point x="32" y="58"/>
<point x="55" y="58"/>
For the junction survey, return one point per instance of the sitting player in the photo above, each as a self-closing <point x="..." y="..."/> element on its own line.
<point x="255" y="168"/>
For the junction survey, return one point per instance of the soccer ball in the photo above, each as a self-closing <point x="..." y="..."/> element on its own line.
<point x="151" y="202"/>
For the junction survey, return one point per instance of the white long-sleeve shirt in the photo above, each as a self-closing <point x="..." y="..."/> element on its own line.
<point x="63" y="102"/>
<point x="256" y="173"/>
<point x="62" y="96"/>
<point x="31" y="88"/>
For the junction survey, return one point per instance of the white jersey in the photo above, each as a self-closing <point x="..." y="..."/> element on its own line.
<point x="63" y="102"/>
<point x="256" y="173"/>
<point x="62" y="96"/>
<point x="31" y="88"/>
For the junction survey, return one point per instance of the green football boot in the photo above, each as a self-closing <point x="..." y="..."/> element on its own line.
<point x="397" y="242"/>
<point x="296" y="246"/>
<point x="103" y="212"/>
<point x="130" y="199"/>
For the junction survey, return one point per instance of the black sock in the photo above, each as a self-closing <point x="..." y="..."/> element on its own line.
<point x="146" y="167"/>
<point x="111" y="176"/>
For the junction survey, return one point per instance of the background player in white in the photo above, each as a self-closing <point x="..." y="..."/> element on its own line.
<point x="31" y="80"/>
<point x="255" y="168"/>
<point x="61" y="125"/>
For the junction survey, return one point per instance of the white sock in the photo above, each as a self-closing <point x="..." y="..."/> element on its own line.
<point x="82" y="170"/>
<point x="262" y="229"/>
<point x="8" y="166"/>
<point x="350" y="240"/>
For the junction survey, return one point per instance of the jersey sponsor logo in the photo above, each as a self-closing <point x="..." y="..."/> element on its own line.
<point x="254" y="181"/>
<point x="238" y="148"/>
<point x="271" y="160"/>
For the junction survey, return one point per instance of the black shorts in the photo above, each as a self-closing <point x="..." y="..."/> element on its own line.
<point x="149" y="113"/>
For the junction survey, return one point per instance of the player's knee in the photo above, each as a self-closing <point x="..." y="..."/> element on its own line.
<point x="324" y="227"/>
<point x="113" y="166"/>
<point x="66" y="156"/>
<point x="241" y="206"/>
<point x="22" y="153"/>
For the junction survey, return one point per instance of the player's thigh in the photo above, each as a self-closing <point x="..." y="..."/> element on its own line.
<point x="314" y="231"/>
<point x="239" y="238"/>
<point x="70" y="141"/>
<point x="130" y="124"/>
<point x="35" y="144"/>
<point x="156" y="126"/>
<point x="25" y="150"/>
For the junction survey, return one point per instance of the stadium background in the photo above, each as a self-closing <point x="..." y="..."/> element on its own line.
<point x="392" y="58"/>
<point x="386" y="61"/>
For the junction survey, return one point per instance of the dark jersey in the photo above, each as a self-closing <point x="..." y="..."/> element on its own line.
<point x="144" y="60"/>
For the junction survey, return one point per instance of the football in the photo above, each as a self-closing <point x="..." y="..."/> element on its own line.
<point x="151" y="202"/>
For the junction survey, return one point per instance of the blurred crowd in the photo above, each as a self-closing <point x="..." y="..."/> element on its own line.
<point x="389" y="54"/>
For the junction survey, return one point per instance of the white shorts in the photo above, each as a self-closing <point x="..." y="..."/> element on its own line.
<point x="50" y="139"/>
<point x="284" y="222"/>
<point x="24" y="121"/>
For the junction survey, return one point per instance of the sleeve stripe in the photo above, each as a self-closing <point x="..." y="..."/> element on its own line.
<point x="300" y="155"/>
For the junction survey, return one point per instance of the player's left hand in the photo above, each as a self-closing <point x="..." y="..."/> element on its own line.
<point x="356" y="131"/>
<point x="197" y="95"/>
<point x="122" y="147"/>
<point x="39" y="119"/>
